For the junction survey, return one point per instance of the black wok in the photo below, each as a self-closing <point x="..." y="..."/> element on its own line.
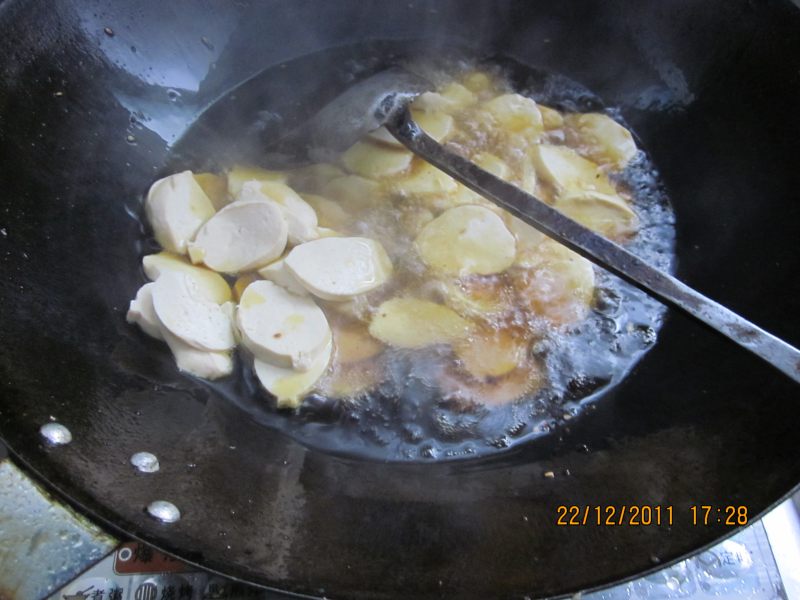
<point x="93" y="94"/>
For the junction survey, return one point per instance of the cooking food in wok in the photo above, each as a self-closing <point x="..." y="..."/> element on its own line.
<point x="423" y="484"/>
<point x="343" y="277"/>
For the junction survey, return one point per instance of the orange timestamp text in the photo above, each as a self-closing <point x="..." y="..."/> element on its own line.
<point x="648" y="515"/>
<point x="634" y="515"/>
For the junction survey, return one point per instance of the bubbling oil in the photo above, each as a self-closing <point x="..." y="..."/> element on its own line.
<point x="417" y="404"/>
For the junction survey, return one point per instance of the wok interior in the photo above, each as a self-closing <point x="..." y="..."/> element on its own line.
<point x="405" y="414"/>
<point x="86" y="122"/>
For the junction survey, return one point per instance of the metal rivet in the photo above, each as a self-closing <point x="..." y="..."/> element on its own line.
<point x="145" y="462"/>
<point x="164" y="511"/>
<point x="56" y="433"/>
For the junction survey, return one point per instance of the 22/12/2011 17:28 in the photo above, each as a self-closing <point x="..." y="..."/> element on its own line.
<point x="647" y="515"/>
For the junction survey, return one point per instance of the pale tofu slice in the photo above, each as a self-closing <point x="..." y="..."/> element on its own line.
<point x="347" y="380"/>
<point x="288" y="385"/>
<point x="338" y="268"/>
<point x="212" y="284"/>
<point x="476" y="296"/>
<point x="528" y="239"/>
<point x="241" y="283"/>
<point x="353" y="192"/>
<point x="516" y="113"/>
<point x="375" y="161"/>
<point x="241" y="174"/>
<point x="413" y="218"/>
<point x="313" y="177"/>
<point x="358" y="308"/>
<point x="184" y="311"/>
<point x="606" y="140"/>
<point x="330" y="214"/>
<point x="438" y="125"/>
<point x="415" y="323"/>
<point x="201" y="363"/>
<point x="423" y="179"/>
<point x="606" y="214"/>
<point x="142" y="313"/>
<point x="282" y="328"/>
<point x="494" y="391"/>
<point x="477" y="82"/>
<point x="528" y="179"/>
<point x="493" y="164"/>
<point x="216" y="188"/>
<point x="242" y="236"/>
<point x="277" y="272"/>
<point x="488" y="162"/>
<point x="467" y="239"/>
<point x="451" y="98"/>
<point x="490" y="353"/>
<point x="353" y="342"/>
<point x="176" y="208"/>
<point x="381" y="135"/>
<point x="558" y="284"/>
<point x="567" y="171"/>
<point x="326" y="232"/>
<point x="300" y="216"/>
<point x="551" y="118"/>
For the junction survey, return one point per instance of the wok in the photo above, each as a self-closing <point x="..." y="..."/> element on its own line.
<point x="94" y="94"/>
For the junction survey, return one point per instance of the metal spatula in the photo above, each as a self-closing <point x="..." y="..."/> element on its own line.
<point x="383" y="99"/>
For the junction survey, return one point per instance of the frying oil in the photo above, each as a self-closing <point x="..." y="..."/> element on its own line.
<point x="417" y="404"/>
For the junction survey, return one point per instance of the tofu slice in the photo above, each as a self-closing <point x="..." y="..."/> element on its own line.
<point x="176" y="207"/>
<point x="212" y="284"/>
<point x="557" y="283"/>
<point x="489" y="352"/>
<point x="184" y="311"/>
<point x="353" y="342"/>
<point x="241" y="283"/>
<point x="609" y="215"/>
<point x="325" y="232"/>
<point x="528" y="240"/>
<point x="451" y="98"/>
<point x="289" y="386"/>
<point x="242" y="236"/>
<point x="202" y="363"/>
<point x="313" y="177"/>
<point x="278" y="273"/>
<point x="423" y="179"/>
<point x="338" y="268"/>
<point x="142" y="313"/>
<point x="465" y="240"/>
<point x="353" y="192"/>
<point x="240" y="174"/>
<point x="438" y="125"/>
<point x="477" y="82"/>
<point x="516" y="113"/>
<point x="476" y="296"/>
<point x="415" y="323"/>
<point x="567" y="171"/>
<point x="216" y="188"/>
<point x="300" y="216"/>
<point x="282" y="328"/>
<point x="329" y="213"/>
<point x="607" y="140"/>
<point x="551" y="118"/>
<point x="372" y="160"/>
